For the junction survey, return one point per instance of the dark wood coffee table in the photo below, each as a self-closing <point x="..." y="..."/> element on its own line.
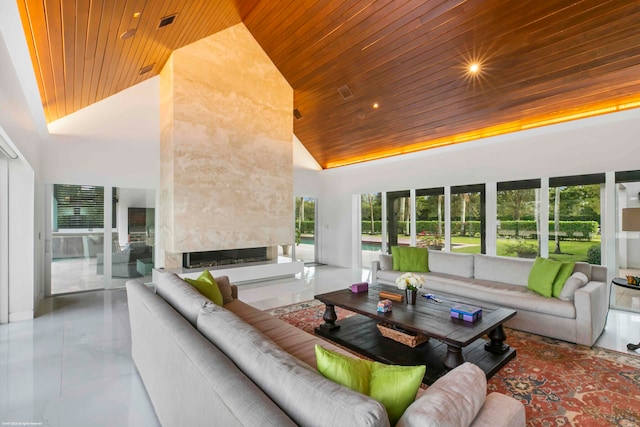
<point x="453" y="341"/>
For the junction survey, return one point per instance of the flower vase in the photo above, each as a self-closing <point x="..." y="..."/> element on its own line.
<point x="411" y="296"/>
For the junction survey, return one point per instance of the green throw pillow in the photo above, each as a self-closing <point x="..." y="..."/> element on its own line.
<point x="207" y="286"/>
<point x="542" y="275"/>
<point x="393" y="386"/>
<point x="414" y="259"/>
<point x="395" y="256"/>
<point x="566" y="270"/>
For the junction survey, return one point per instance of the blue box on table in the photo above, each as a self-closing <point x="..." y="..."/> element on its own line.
<point x="468" y="313"/>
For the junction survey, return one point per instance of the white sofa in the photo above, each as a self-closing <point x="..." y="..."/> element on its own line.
<point x="503" y="281"/>
<point x="238" y="366"/>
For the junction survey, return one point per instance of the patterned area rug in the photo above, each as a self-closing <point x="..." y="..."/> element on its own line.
<point x="560" y="384"/>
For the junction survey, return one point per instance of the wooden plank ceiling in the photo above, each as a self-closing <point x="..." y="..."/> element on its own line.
<point x="539" y="61"/>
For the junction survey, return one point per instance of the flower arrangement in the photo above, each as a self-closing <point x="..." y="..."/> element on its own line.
<point x="410" y="281"/>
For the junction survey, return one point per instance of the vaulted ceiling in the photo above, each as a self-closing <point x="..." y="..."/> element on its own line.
<point x="540" y="62"/>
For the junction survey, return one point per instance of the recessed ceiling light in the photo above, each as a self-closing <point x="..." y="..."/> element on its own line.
<point x="375" y="105"/>
<point x="136" y="15"/>
<point x="474" y="68"/>
<point x="128" y="34"/>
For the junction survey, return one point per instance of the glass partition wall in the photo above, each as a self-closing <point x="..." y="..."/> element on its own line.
<point x="79" y="237"/>
<point x="628" y="239"/>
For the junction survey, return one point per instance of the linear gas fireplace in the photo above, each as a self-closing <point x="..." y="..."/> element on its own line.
<point x="224" y="257"/>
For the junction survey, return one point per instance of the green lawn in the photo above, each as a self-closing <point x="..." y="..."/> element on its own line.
<point x="571" y="250"/>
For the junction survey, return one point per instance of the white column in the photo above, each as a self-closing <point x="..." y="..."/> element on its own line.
<point x="383" y="228"/>
<point x="544" y="217"/>
<point x="491" y="212"/>
<point x="4" y="241"/>
<point x="608" y="224"/>
<point x="412" y="225"/>
<point x="356" y="227"/>
<point x="108" y="237"/>
<point x="447" y="218"/>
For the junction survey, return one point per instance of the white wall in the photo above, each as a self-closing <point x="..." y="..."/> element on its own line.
<point x="112" y="142"/>
<point x="598" y="144"/>
<point x="21" y="241"/>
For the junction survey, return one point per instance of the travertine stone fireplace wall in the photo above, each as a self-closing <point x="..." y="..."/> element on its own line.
<point x="226" y="148"/>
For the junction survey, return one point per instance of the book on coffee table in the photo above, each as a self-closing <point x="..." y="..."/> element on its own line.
<point x="468" y="313"/>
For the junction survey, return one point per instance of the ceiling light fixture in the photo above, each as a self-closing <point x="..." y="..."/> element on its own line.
<point x="128" y="34"/>
<point x="474" y="68"/>
<point x="136" y="15"/>
<point x="147" y="68"/>
<point x="375" y="105"/>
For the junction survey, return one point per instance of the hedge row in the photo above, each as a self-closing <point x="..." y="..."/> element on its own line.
<point x="308" y="227"/>
<point x="577" y="230"/>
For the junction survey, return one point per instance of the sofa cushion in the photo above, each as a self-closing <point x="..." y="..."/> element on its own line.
<point x="294" y="341"/>
<point x="453" y="400"/>
<point x="392" y="385"/>
<point x="183" y="297"/>
<point x="296" y="388"/>
<point x="542" y="275"/>
<point x="410" y="258"/>
<point x="395" y="254"/>
<point x="566" y="269"/>
<point x="584" y="268"/>
<point x="502" y="294"/>
<point x="451" y="263"/>
<point x="389" y="275"/>
<point x="207" y="286"/>
<point x="573" y="283"/>
<point x="386" y="262"/>
<point x="514" y="271"/>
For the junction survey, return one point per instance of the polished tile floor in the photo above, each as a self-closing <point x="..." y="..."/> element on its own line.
<point x="71" y="366"/>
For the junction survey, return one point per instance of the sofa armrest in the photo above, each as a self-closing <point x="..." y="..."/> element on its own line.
<point x="591" y="312"/>
<point x="234" y="291"/>
<point x="500" y="410"/>
<point x="375" y="267"/>
<point x="453" y="400"/>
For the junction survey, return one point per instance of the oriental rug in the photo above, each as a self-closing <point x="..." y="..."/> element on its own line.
<point x="560" y="384"/>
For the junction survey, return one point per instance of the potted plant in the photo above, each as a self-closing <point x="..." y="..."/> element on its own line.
<point x="431" y="241"/>
<point x="522" y="249"/>
<point x="410" y="282"/>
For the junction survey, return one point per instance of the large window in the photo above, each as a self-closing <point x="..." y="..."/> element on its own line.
<point x="518" y="225"/>
<point x="468" y="231"/>
<point x="371" y="226"/>
<point x="574" y="218"/>
<point x="430" y="218"/>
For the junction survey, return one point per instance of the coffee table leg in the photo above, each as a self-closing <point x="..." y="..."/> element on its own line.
<point x="497" y="344"/>
<point x="329" y="318"/>
<point x="453" y="358"/>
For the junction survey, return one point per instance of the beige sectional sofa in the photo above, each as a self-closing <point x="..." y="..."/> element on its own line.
<point x="503" y="281"/>
<point x="235" y="365"/>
